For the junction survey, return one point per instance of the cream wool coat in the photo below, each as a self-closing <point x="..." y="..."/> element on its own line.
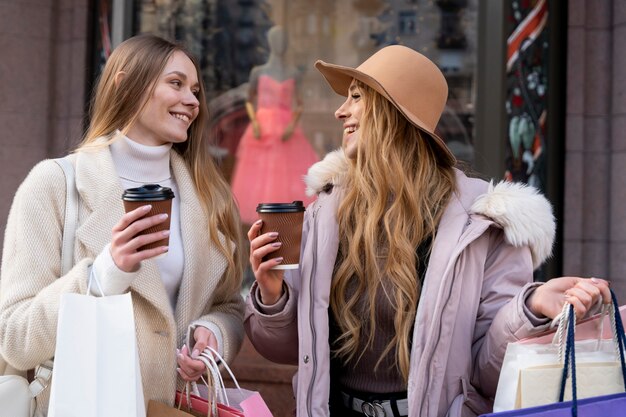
<point x="480" y="271"/>
<point x="30" y="285"/>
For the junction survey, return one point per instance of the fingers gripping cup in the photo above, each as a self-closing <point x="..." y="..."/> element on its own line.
<point x="160" y="198"/>
<point x="286" y="219"/>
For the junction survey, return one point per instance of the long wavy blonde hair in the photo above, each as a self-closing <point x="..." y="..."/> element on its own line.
<point x="396" y="191"/>
<point x="118" y="105"/>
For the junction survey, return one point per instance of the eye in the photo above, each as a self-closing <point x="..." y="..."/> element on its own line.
<point x="195" y="92"/>
<point x="176" y="83"/>
<point x="355" y="96"/>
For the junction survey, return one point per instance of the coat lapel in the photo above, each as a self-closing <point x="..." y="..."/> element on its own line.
<point x="101" y="191"/>
<point x="201" y="256"/>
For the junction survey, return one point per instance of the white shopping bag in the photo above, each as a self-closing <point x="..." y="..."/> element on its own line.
<point x="96" y="366"/>
<point x="540" y="371"/>
<point x="532" y="368"/>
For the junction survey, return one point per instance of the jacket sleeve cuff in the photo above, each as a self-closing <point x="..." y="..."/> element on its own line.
<point x="212" y="327"/>
<point x="535" y="320"/>
<point x="112" y="280"/>
<point x="266" y="309"/>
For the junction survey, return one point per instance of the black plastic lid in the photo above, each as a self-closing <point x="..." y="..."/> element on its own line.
<point x="148" y="192"/>
<point x="294" y="207"/>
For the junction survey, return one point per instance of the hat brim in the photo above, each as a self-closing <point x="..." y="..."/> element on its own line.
<point x="339" y="78"/>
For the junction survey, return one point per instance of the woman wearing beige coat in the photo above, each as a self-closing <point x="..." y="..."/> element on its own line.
<point x="146" y="126"/>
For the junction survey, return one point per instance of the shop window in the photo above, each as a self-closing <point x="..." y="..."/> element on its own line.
<point x="527" y="92"/>
<point x="231" y="40"/>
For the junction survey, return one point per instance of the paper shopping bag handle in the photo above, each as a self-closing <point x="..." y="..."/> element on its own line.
<point x="570" y="350"/>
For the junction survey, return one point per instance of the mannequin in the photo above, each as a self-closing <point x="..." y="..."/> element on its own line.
<point x="273" y="153"/>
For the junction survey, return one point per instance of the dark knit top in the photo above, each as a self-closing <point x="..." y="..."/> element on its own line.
<point x="361" y="376"/>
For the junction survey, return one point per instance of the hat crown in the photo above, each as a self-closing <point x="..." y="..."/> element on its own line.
<point x="410" y="80"/>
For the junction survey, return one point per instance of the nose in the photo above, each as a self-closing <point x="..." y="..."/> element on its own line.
<point x="191" y="100"/>
<point x="342" y="112"/>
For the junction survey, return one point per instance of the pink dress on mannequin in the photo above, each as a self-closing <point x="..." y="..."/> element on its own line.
<point x="269" y="170"/>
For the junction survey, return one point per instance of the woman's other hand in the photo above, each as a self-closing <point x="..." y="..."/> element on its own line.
<point x="583" y="293"/>
<point x="270" y="281"/>
<point x="126" y="241"/>
<point x="189" y="367"/>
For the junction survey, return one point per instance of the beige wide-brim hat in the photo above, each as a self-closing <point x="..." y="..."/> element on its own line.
<point x="409" y="80"/>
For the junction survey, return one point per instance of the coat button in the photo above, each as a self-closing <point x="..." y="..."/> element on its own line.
<point x="306" y="358"/>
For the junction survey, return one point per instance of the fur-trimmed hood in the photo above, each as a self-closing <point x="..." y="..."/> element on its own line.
<point x="523" y="213"/>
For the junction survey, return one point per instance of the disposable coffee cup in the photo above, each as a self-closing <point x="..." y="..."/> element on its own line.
<point x="286" y="219"/>
<point x="160" y="198"/>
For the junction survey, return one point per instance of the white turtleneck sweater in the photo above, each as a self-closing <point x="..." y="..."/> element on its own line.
<point x="136" y="165"/>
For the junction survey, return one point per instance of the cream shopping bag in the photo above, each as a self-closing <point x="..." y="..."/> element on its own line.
<point x="597" y="367"/>
<point x="96" y="364"/>
<point x="531" y="366"/>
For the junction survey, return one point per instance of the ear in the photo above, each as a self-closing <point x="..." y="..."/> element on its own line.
<point x="118" y="78"/>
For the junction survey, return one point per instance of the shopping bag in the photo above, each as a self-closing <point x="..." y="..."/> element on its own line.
<point x="199" y="407"/>
<point x="96" y="365"/>
<point x="214" y="399"/>
<point x="598" y="406"/>
<point x="158" y="409"/>
<point x="603" y="406"/>
<point x="532" y="368"/>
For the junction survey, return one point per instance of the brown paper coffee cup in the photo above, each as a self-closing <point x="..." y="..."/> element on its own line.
<point x="286" y="219"/>
<point x="160" y="198"/>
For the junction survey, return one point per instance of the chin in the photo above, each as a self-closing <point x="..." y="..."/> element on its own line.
<point x="179" y="138"/>
<point x="350" y="150"/>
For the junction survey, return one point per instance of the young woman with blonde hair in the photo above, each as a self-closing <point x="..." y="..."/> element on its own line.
<point x="413" y="277"/>
<point x="147" y="126"/>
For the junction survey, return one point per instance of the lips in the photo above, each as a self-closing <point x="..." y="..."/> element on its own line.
<point x="349" y="129"/>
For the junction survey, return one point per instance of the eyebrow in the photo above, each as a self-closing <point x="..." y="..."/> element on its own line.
<point x="353" y="87"/>
<point x="181" y="75"/>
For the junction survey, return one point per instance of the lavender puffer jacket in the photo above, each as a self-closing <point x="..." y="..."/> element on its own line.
<point x="480" y="271"/>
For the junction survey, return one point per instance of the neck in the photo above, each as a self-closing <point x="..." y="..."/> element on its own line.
<point x="141" y="163"/>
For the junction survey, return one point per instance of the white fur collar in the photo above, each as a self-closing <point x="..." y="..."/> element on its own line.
<point x="330" y="170"/>
<point x="524" y="214"/>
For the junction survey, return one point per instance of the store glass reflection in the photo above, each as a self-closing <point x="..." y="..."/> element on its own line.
<point x="249" y="82"/>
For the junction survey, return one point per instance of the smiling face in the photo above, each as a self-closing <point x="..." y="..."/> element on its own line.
<point x="350" y="114"/>
<point x="172" y="107"/>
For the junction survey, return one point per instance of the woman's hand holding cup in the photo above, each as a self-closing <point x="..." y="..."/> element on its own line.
<point x="143" y="232"/>
<point x="270" y="280"/>
<point x="127" y="241"/>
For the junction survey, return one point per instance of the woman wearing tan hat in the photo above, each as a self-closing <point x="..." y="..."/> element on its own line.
<point x="413" y="277"/>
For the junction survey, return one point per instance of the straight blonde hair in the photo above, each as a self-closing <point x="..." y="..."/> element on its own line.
<point x="116" y="106"/>
<point x="396" y="191"/>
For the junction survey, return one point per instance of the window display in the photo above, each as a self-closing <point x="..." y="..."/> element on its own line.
<point x="273" y="154"/>
<point x="230" y="37"/>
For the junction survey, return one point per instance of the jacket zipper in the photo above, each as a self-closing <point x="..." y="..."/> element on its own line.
<point x="311" y="308"/>
<point x="465" y="242"/>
